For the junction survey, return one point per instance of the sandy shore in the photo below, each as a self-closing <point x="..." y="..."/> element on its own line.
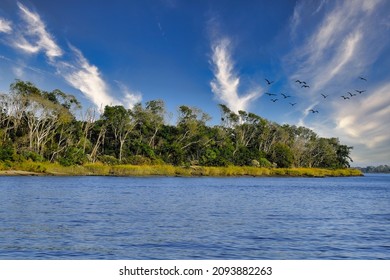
<point x="18" y="173"/>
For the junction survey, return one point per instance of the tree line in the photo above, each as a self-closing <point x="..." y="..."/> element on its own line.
<point x="376" y="169"/>
<point x="42" y="126"/>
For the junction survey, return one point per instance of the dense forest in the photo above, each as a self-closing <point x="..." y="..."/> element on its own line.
<point x="37" y="125"/>
<point x="375" y="169"/>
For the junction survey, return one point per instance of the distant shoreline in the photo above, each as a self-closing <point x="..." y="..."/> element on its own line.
<point x="50" y="169"/>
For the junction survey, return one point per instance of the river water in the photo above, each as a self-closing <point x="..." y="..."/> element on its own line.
<point x="195" y="218"/>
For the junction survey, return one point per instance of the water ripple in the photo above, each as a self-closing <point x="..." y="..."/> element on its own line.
<point x="194" y="218"/>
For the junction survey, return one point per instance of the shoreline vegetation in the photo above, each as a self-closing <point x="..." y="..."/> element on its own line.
<point x="48" y="133"/>
<point x="98" y="169"/>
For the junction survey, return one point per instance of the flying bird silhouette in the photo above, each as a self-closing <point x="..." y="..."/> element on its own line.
<point x="285" y="96"/>
<point x="324" y="95"/>
<point x="305" y="86"/>
<point x="270" y="94"/>
<point x="351" y="94"/>
<point x="313" y="111"/>
<point x="274" y="100"/>
<point x="362" y="78"/>
<point x="345" y="97"/>
<point x="298" y="81"/>
<point x="360" y="91"/>
<point x="268" y="81"/>
<point x="292" y="104"/>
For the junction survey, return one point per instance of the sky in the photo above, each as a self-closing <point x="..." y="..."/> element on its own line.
<point x="204" y="53"/>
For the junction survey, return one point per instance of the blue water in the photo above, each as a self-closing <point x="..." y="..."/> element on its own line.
<point x="194" y="218"/>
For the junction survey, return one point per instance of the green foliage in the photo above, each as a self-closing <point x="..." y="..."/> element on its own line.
<point x="72" y="156"/>
<point x="138" y="160"/>
<point x="6" y="153"/>
<point x="33" y="156"/>
<point x="282" y="155"/>
<point x="41" y="126"/>
<point x="109" y="160"/>
<point x="263" y="162"/>
<point x="376" y="169"/>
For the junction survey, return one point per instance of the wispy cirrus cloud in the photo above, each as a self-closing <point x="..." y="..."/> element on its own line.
<point x="35" y="38"/>
<point x="225" y="84"/>
<point x="332" y="45"/>
<point x="86" y="77"/>
<point x="366" y="121"/>
<point x="5" y="26"/>
<point x="31" y="37"/>
<point x="345" y="44"/>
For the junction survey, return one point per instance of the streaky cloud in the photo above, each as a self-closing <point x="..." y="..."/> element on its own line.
<point x="86" y="77"/>
<point x="348" y="41"/>
<point x="371" y="119"/>
<point x="225" y="83"/>
<point x="34" y="37"/>
<point x="336" y="45"/>
<point x="31" y="37"/>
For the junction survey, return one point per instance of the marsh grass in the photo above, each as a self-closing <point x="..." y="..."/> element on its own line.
<point x="100" y="169"/>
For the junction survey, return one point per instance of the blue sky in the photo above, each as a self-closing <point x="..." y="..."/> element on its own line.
<point x="202" y="53"/>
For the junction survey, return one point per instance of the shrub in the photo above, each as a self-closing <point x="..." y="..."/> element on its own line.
<point x="73" y="156"/>
<point x="109" y="160"/>
<point x="6" y="153"/>
<point x="139" y="160"/>
<point x="29" y="155"/>
<point x="263" y="162"/>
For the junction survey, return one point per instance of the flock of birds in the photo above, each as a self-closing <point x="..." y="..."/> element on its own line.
<point x="304" y="84"/>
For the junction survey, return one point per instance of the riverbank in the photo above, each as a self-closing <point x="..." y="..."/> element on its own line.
<point x="97" y="169"/>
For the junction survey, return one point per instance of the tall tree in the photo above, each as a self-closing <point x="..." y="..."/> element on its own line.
<point x="120" y="121"/>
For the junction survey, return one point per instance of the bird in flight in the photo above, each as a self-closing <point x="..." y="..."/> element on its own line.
<point x="324" y="95"/>
<point x="351" y="94"/>
<point x="305" y="86"/>
<point x="268" y="81"/>
<point x="360" y="91"/>
<point x="313" y="111"/>
<point x="345" y="97"/>
<point x="270" y="94"/>
<point x="362" y="78"/>
<point x="301" y="82"/>
<point x="274" y="100"/>
<point x="293" y="104"/>
<point x="285" y="96"/>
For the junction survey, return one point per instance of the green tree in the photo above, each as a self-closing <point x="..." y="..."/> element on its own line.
<point x="121" y="123"/>
<point x="282" y="155"/>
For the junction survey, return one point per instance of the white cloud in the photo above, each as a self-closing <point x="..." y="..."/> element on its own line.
<point x="87" y="78"/>
<point x="80" y="74"/>
<point x="335" y="46"/>
<point x="367" y="116"/>
<point x="130" y="97"/>
<point x="5" y="26"/>
<point x="31" y="36"/>
<point x="364" y="123"/>
<point x="347" y="41"/>
<point x="34" y="37"/>
<point x="225" y="83"/>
